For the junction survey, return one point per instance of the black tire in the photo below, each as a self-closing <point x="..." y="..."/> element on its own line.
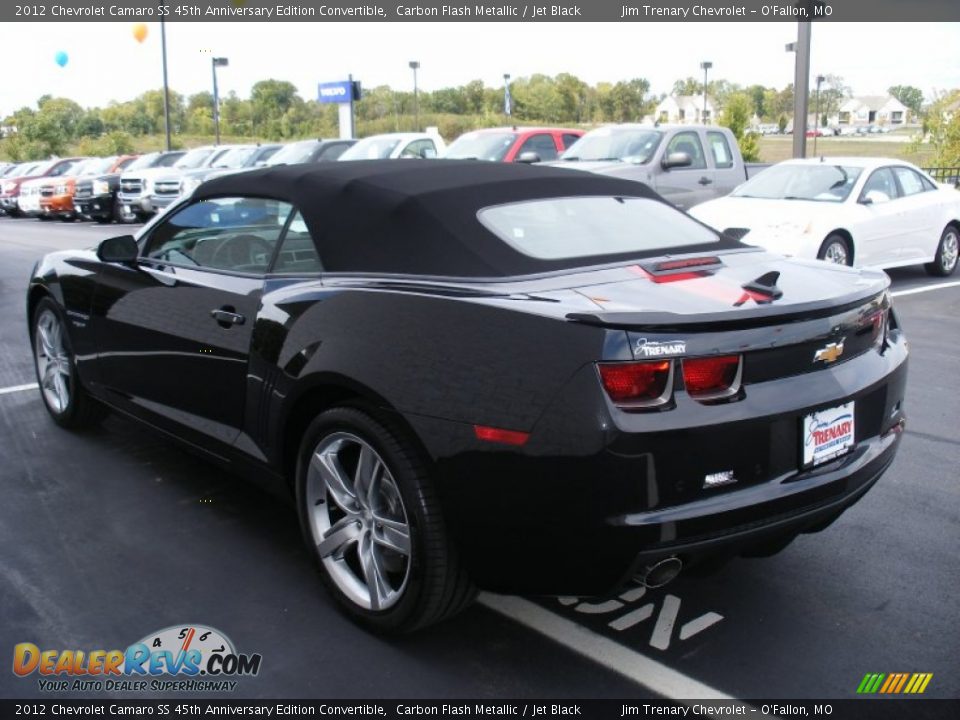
<point x="945" y="261"/>
<point x="117" y="213"/>
<point x="80" y="410"/>
<point x="435" y="585"/>
<point x="834" y="248"/>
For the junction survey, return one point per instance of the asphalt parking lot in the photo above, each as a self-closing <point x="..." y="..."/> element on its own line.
<point x="110" y="535"/>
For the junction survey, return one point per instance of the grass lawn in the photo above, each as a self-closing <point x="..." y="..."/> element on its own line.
<point x="774" y="148"/>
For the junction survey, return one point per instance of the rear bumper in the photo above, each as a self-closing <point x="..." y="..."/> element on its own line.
<point x="578" y="509"/>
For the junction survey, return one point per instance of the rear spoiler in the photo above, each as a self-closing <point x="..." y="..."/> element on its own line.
<point x="735" y="318"/>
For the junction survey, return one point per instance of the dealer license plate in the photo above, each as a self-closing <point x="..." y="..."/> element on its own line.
<point x="827" y="434"/>
<point x="127" y="210"/>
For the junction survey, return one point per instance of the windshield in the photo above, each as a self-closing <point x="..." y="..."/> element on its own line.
<point x="95" y="166"/>
<point x="821" y="183"/>
<point x="235" y="158"/>
<point x="144" y="161"/>
<point x="193" y="159"/>
<point x="373" y="148"/>
<point x="294" y="153"/>
<point x="67" y="167"/>
<point x="482" y="146"/>
<point x="636" y="146"/>
<point x="573" y="227"/>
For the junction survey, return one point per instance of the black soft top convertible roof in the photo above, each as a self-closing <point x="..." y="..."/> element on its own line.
<point x="419" y="217"/>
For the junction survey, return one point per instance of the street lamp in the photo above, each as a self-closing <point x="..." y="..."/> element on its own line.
<point x="705" y="66"/>
<point x="816" y="124"/>
<point x="166" y="85"/>
<point x="215" y="63"/>
<point x="801" y="86"/>
<point x="415" y="65"/>
<point x="507" y="102"/>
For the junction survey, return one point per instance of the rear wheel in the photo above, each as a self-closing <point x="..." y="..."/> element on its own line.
<point x="945" y="261"/>
<point x="63" y="395"/>
<point x="370" y="516"/>
<point x="836" y="249"/>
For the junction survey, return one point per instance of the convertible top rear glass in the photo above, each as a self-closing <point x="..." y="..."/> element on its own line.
<point x="422" y="217"/>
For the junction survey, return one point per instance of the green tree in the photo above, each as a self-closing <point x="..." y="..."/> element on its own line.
<point x="736" y="115"/>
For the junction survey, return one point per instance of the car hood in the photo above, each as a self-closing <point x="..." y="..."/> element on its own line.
<point x="150" y="173"/>
<point x="757" y="213"/>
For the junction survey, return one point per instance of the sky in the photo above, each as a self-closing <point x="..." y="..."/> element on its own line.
<point x="107" y="63"/>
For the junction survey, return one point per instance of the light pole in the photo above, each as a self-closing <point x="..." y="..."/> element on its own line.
<point x="816" y="125"/>
<point x="507" y="103"/>
<point x="801" y="88"/>
<point x="215" y="63"/>
<point x="415" y="65"/>
<point x="705" y="66"/>
<point x="166" y="88"/>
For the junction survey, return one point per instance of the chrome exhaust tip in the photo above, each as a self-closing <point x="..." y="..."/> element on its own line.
<point x="660" y="573"/>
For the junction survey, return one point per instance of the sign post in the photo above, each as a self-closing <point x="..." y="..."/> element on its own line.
<point x="344" y="93"/>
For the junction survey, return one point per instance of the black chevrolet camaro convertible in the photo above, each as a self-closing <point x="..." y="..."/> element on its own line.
<point x="470" y="375"/>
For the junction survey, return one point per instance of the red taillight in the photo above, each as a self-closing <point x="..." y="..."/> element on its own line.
<point x="639" y="383"/>
<point x="878" y="327"/>
<point x="499" y="435"/>
<point x="712" y="377"/>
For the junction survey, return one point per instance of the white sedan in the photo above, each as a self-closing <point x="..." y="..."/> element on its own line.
<point x="874" y="212"/>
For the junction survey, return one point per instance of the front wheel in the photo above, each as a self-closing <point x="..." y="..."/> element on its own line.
<point x="945" y="261"/>
<point x="837" y="250"/>
<point x="372" y="520"/>
<point x="63" y="395"/>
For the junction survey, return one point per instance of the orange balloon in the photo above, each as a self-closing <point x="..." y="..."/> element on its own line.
<point x="140" y="32"/>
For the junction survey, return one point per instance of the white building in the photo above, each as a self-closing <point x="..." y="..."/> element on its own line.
<point x="684" y="110"/>
<point x="872" y="110"/>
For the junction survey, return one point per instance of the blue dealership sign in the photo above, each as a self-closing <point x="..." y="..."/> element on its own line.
<point x="338" y="92"/>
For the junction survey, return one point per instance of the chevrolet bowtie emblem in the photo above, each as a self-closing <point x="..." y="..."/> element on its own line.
<point x="830" y="353"/>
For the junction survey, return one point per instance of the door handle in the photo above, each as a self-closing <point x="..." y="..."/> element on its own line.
<point x="225" y="317"/>
<point x="705" y="181"/>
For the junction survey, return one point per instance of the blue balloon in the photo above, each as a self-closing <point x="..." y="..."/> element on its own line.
<point x="61" y="58"/>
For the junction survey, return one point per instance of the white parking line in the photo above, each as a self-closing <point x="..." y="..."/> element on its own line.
<point x="612" y="655"/>
<point x="925" y="288"/>
<point x="18" y="388"/>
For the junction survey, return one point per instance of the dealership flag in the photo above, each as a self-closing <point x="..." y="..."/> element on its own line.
<point x="506" y="100"/>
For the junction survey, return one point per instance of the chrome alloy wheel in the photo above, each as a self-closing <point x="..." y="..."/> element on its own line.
<point x="948" y="252"/>
<point x="358" y="521"/>
<point x="836" y="252"/>
<point x="53" y="361"/>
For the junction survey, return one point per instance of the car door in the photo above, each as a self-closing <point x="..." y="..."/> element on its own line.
<point x="880" y="226"/>
<point x="727" y="175"/>
<point x="921" y="215"/>
<point x="423" y="149"/>
<point x="173" y="331"/>
<point x="542" y="144"/>
<point x="688" y="185"/>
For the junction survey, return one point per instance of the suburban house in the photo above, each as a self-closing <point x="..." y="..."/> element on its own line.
<point x="684" y="110"/>
<point x="872" y="110"/>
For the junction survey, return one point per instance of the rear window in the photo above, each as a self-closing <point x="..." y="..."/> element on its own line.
<point x="575" y="227"/>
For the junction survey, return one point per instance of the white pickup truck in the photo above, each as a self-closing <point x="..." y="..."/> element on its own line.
<point x="686" y="164"/>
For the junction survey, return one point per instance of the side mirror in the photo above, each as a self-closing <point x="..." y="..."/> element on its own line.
<point x="677" y="159"/>
<point x="528" y="157"/>
<point x="875" y="197"/>
<point x="120" y="249"/>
